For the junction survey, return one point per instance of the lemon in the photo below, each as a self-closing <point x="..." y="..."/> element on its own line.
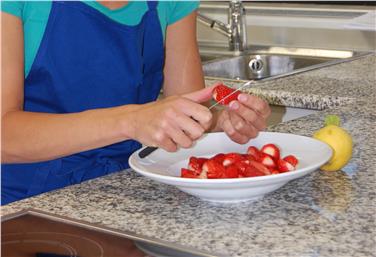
<point x="339" y="140"/>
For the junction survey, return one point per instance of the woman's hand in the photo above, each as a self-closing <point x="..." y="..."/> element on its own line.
<point x="176" y="121"/>
<point x="244" y="118"/>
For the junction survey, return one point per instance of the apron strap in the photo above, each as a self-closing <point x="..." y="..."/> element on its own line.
<point x="152" y="5"/>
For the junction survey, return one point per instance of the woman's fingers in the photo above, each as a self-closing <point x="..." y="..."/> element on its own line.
<point x="249" y="115"/>
<point x="200" y="113"/>
<point x="228" y="127"/>
<point x="171" y="123"/>
<point x="242" y="126"/>
<point x="256" y="104"/>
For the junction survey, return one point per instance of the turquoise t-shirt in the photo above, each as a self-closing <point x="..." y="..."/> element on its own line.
<point x="34" y="15"/>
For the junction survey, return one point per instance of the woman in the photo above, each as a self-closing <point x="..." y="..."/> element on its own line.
<point x="79" y="84"/>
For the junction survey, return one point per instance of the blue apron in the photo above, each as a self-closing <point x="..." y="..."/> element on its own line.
<point x="87" y="61"/>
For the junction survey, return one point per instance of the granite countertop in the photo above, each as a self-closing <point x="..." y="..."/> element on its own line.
<point x="321" y="214"/>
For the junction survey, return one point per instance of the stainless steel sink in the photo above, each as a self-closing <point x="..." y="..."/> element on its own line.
<point x="272" y="62"/>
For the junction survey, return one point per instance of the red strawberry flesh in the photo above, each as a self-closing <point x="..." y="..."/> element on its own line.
<point x="220" y="93"/>
<point x="213" y="169"/>
<point x="291" y="159"/>
<point x="272" y="150"/>
<point x="284" y="166"/>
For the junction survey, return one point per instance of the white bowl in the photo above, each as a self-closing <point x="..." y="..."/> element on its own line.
<point x="165" y="167"/>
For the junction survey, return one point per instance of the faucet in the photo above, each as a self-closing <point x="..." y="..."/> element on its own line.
<point x="235" y="30"/>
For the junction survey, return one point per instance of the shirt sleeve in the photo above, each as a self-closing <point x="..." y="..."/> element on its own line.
<point x="180" y="9"/>
<point x="13" y="7"/>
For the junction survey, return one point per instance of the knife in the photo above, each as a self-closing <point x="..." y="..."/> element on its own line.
<point x="149" y="149"/>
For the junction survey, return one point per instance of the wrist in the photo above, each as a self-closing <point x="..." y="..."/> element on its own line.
<point x="216" y="124"/>
<point x="125" y="121"/>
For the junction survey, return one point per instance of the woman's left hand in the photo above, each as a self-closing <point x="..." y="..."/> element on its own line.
<point x="244" y="118"/>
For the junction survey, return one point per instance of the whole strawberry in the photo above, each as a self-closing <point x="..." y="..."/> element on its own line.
<point x="221" y="91"/>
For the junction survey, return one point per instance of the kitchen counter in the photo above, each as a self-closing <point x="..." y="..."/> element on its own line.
<point x="321" y="214"/>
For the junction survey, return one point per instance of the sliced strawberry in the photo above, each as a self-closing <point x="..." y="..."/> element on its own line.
<point x="221" y="91"/>
<point x="260" y="167"/>
<point x="213" y="169"/>
<point x="196" y="164"/>
<point x="219" y="157"/>
<point x="232" y="171"/>
<point x="252" y="171"/>
<point x="242" y="165"/>
<point x="284" y="166"/>
<point x="272" y="150"/>
<point x="232" y="158"/>
<point x="274" y="171"/>
<point x="292" y="160"/>
<point x="186" y="173"/>
<point x="268" y="161"/>
<point x="254" y="152"/>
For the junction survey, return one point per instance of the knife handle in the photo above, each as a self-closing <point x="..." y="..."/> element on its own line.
<point x="146" y="151"/>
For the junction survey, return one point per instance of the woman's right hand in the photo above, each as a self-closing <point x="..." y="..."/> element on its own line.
<point x="176" y="121"/>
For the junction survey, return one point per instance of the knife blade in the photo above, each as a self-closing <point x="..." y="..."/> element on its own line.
<point x="227" y="96"/>
<point x="149" y="149"/>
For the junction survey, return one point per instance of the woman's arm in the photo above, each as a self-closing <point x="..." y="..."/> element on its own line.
<point x="32" y="137"/>
<point x="183" y="68"/>
<point x="29" y="137"/>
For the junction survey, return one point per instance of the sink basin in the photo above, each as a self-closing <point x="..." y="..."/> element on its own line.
<point x="272" y="62"/>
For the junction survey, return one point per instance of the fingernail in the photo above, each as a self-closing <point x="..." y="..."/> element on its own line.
<point x="234" y="105"/>
<point x="242" y="98"/>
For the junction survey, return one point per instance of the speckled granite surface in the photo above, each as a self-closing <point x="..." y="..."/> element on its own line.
<point x="322" y="214"/>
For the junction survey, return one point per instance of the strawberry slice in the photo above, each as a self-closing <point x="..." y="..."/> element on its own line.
<point x="232" y="158"/>
<point x="186" y="173"/>
<point x="242" y="166"/>
<point x="268" y="161"/>
<point x="232" y="171"/>
<point x="212" y="169"/>
<point x="284" y="166"/>
<point x="252" y="171"/>
<point x="219" y="157"/>
<point x="292" y="160"/>
<point x="195" y="164"/>
<point x="274" y="171"/>
<point x="260" y="167"/>
<point x="221" y="91"/>
<point x="272" y="150"/>
<point x="254" y="152"/>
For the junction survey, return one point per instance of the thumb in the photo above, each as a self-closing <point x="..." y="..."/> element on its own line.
<point x="200" y="96"/>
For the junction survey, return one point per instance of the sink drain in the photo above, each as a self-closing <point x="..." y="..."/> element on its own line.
<point x="256" y="65"/>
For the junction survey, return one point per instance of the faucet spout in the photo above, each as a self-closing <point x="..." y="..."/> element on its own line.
<point x="214" y="24"/>
<point x="235" y="30"/>
<point x="237" y="25"/>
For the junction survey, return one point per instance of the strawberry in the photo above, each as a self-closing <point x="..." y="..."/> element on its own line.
<point x="186" y="173"/>
<point x="254" y="152"/>
<point x="252" y="171"/>
<point x="195" y="164"/>
<point x="272" y="150"/>
<point x="274" y="171"/>
<point x="259" y="166"/>
<point x="232" y="158"/>
<point x="219" y="157"/>
<point x="284" y="166"/>
<point x="221" y="91"/>
<point x="213" y="169"/>
<point x="292" y="160"/>
<point x="232" y="171"/>
<point x="268" y="161"/>
<point x="242" y="165"/>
